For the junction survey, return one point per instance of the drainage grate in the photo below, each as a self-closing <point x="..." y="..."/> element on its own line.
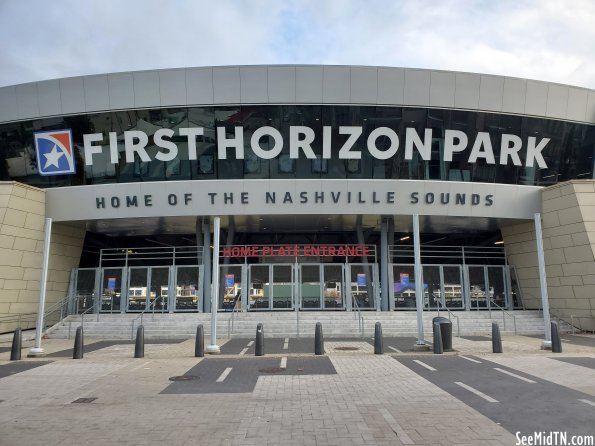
<point x="272" y="370"/>
<point x="84" y="400"/>
<point x="183" y="378"/>
<point x="347" y="349"/>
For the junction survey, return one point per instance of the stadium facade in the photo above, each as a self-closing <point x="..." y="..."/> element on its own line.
<point x="338" y="188"/>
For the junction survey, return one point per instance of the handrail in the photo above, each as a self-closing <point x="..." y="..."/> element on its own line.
<point x="234" y="309"/>
<point x="21" y="317"/>
<point x="503" y="313"/>
<point x="438" y="304"/>
<point x="141" y="315"/>
<point x="571" y="323"/>
<point x="359" y="316"/>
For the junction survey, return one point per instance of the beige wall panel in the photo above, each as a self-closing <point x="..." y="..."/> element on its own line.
<point x="582" y="253"/>
<point x="570" y="215"/>
<point x="582" y="238"/>
<point x="14" y="217"/>
<point x="24" y="244"/>
<point x="561" y="241"/>
<point x="571" y="280"/>
<point x="10" y="257"/>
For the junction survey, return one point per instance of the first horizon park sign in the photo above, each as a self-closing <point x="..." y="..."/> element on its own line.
<point x="381" y="143"/>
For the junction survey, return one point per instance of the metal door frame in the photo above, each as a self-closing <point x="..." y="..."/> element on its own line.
<point x="147" y="293"/>
<point x="373" y="278"/>
<point x="173" y="303"/>
<point x="270" y="286"/>
<point x="300" y="297"/>
<point x="123" y="290"/>
<point x="323" y="286"/>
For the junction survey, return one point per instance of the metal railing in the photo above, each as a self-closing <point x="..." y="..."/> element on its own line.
<point x="450" y="313"/>
<point x="504" y="314"/>
<point x="146" y="310"/>
<point x="234" y="310"/>
<point x="51" y="316"/>
<point x="358" y="315"/>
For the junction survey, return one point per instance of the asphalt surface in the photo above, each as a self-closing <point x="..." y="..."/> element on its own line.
<point x="510" y="400"/>
<point x="225" y="375"/>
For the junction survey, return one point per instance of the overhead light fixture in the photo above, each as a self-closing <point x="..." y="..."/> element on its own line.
<point x="405" y="238"/>
<point x="499" y="242"/>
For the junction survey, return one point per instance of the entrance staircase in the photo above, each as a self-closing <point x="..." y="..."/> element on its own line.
<point x="294" y="324"/>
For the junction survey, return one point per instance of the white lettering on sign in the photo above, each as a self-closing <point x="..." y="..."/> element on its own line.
<point x="268" y="142"/>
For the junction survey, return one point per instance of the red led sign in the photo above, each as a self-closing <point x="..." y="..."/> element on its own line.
<point x="296" y="251"/>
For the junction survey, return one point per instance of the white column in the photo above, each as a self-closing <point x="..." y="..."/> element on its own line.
<point x="384" y="265"/>
<point x="213" y="348"/>
<point x="547" y="342"/>
<point x="37" y="350"/>
<point x="419" y="286"/>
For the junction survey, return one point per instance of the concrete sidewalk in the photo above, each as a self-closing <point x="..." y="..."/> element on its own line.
<point x="362" y="399"/>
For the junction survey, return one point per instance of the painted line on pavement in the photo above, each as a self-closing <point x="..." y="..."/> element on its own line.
<point x="522" y="378"/>
<point x="476" y="392"/>
<point x="470" y="359"/>
<point x="591" y="403"/>
<point x="243" y="352"/>
<point x="396" y="427"/>
<point x="140" y="366"/>
<point x="283" y="362"/>
<point x="423" y="364"/>
<point x="224" y="375"/>
<point x="250" y="344"/>
<point x="286" y="344"/>
<point x="395" y="349"/>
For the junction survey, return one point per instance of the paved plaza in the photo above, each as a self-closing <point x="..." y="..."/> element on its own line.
<point x="349" y="396"/>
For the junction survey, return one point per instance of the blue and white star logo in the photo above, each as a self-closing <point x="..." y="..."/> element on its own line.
<point x="55" y="154"/>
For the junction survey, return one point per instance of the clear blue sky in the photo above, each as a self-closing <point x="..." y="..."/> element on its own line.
<point x="551" y="40"/>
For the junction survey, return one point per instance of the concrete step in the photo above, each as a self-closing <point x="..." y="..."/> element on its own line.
<point x="342" y="323"/>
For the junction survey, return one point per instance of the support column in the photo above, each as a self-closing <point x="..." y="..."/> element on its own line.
<point x="213" y="348"/>
<point x="419" y="286"/>
<point x="37" y="350"/>
<point x="547" y="342"/>
<point x="384" y="265"/>
<point x="206" y="261"/>
<point x="366" y="267"/>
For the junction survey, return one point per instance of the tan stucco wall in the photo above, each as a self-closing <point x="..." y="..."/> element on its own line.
<point x="568" y="223"/>
<point x="22" y="219"/>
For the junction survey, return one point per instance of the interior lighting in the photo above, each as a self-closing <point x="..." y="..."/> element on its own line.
<point x="499" y="242"/>
<point x="405" y="238"/>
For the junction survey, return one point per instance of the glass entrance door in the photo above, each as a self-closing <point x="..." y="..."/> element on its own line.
<point x="334" y="287"/>
<point x="258" y="297"/>
<point x="138" y="279"/>
<point x="84" y="298"/>
<point x="148" y="288"/>
<point x="187" y="296"/>
<point x="478" y="298"/>
<point x="230" y="290"/>
<point x="159" y="290"/>
<point x="271" y="287"/>
<point x="310" y="287"/>
<point x="362" y="284"/>
<point x="111" y="289"/>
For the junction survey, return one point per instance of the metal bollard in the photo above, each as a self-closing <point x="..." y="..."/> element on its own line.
<point x="496" y="340"/>
<point x="259" y="348"/>
<point x="17" y="340"/>
<point x="77" y="352"/>
<point x="139" y="345"/>
<point x="378" y="342"/>
<point x="437" y="339"/>
<point x="199" y="346"/>
<point x="556" y="342"/>
<point x="318" y="340"/>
